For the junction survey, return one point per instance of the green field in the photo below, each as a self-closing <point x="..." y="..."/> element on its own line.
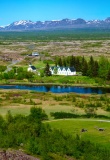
<point x="74" y="126"/>
<point x="58" y="34"/>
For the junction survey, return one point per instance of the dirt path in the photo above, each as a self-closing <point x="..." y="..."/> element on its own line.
<point x="9" y="67"/>
<point x="78" y="120"/>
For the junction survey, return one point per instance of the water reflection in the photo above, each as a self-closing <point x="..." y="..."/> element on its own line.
<point x="60" y="89"/>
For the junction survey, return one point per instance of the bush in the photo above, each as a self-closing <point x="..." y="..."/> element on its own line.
<point x="60" y="115"/>
<point x="37" y="114"/>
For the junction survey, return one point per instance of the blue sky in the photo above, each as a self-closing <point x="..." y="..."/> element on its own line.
<point x="15" y="10"/>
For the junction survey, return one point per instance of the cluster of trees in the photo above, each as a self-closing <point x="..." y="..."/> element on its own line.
<point x="91" y="68"/>
<point x="56" y="35"/>
<point x="16" y="73"/>
<point x="33" y="136"/>
<point x="90" y="113"/>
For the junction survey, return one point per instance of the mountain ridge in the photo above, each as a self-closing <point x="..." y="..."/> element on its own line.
<point x="64" y="23"/>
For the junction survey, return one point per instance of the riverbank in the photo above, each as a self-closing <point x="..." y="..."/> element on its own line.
<point x="81" y="81"/>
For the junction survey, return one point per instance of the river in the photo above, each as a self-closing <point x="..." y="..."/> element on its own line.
<point x="59" y="89"/>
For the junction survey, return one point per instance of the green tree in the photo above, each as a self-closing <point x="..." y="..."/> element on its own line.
<point x="104" y="67"/>
<point x="47" y="71"/>
<point x="6" y="76"/>
<point x="77" y="64"/>
<point x="64" y="62"/>
<point x="95" y="69"/>
<point x="108" y="75"/>
<point x="9" y="117"/>
<point x="59" y="62"/>
<point x="37" y="114"/>
<point x="18" y="70"/>
<point x="84" y="67"/>
<point x="2" y="68"/>
<point x="55" y="70"/>
<point x="90" y="67"/>
<point x="11" y="74"/>
<point x="72" y="61"/>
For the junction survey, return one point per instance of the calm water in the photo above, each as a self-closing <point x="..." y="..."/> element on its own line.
<point x="59" y="89"/>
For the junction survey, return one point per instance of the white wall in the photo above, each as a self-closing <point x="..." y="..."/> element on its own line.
<point x="63" y="72"/>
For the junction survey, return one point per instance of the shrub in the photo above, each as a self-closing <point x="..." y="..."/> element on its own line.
<point x="37" y="114"/>
<point x="60" y="115"/>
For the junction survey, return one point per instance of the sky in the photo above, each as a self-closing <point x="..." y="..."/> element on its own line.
<point x="42" y="10"/>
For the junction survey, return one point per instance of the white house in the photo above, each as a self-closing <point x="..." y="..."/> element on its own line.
<point x="63" y="71"/>
<point x="31" y="68"/>
<point x="35" y="54"/>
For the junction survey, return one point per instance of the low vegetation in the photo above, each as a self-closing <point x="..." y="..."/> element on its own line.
<point x="34" y="137"/>
<point x="78" y="104"/>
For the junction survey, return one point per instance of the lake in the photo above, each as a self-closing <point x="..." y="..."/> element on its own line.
<point x="59" y="89"/>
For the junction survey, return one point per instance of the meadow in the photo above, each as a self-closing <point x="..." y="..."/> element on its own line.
<point x="20" y="102"/>
<point x="77" y="42"/>
<point x="74" y="127"/>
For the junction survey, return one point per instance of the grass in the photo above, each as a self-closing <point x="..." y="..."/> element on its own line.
<point x="95" y="44"/>
<point x="74" y="127"/>
<point x="59" y="80"/>
<point x="68" y="80"/>
<point x="18" y="101"/>
<point x="15" y="109"/>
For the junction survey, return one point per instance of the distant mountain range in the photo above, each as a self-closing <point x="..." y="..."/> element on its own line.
<point x="54" y="24"/>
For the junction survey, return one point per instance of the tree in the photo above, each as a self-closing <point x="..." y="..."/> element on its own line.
<point x="59" y="62"/>
<point x="37" y="114"/>
<point x="104" y="67"/>
<point x="47" y="71"/>
<point x="6" y="76"/>
<point x="77" y="64"/>
<point x="90" y="67"/>
<point x="2" y="68"/>
<point x="11" y="74"/>
<point x="64" y="62"/>
<point x="108" y="75"/>
<point x="95" y="69"/>
<point x="84" y="68"/>
<point x="9" y="117"/>
<point x="72" y="61"/>
<point x="55" y="70"/>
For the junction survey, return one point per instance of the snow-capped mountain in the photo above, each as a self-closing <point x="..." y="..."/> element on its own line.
<point x="23" y="22"/>
<point x="64" y="23"/>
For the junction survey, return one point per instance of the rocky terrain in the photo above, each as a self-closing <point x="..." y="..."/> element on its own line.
<point x="19" y="51"/>
<point x="15" y="155"/>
